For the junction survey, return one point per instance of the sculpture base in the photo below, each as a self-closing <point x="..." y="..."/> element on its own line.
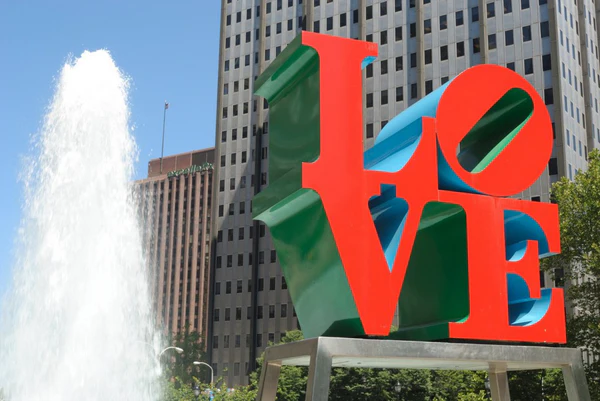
<point x="322" y="353"/>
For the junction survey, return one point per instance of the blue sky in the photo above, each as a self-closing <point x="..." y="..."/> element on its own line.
<point x="169" y="49"/>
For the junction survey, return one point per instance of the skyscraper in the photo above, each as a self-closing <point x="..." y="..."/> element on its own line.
<point x="175" y="210"/>
<point x="422" y="45"/>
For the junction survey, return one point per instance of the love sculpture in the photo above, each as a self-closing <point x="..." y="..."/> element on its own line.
<point x="420" y="224"/>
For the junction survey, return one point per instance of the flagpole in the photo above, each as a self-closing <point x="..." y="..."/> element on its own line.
<point x="162" y="152"/>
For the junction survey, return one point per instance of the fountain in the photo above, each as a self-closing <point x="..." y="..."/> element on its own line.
<point x="77" y="323"/>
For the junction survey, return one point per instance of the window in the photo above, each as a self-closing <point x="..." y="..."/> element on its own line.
<point x="545" y="29"/>
<point x="216" y="315"/>
<point x="527" y="33"/>
<point x="444" y="80"/>
<point x="491" y="10"/>
<point x="329" y="23"/>
<point x="548" y="96"/>
<point x="369" y="100"/>
<point x="369" y="130"/>
<point x="413" y="30"/>
<point x="528" y="66"/>
<point x="383" y="37"/>
<point x="398" y="5"/>
<point x="507" y="6"/>
<point x="509" y="38"/>
<point x="384" y="97"/>
<point x="476" y="46"/>
<point x="460" y="49"/>
<point x="272" y="284"/>
<point x="218" y="288"/>
<point x="443" y="22"/>
<point x="399" y="94"/>
<point x="524" y="4"/>
<point x="474" y="14"/>
<point x="271" y="311"/>
<point x="227" y="318"/>
<point x="398" y="33"/>
<point x="492" y="41"/>
<point x="428" y="56"/>
<point x="343" y="19"/>
<point x="546" y="62"/>
<point x="427" y="26"/>
<point x="413" y="91"/>
<point x="316" y="26"/>
<point x="383" y="8"/>
<point x="369" y="71"/>
<point x="553" y="166"/>
<point x="369" y="12"/>
<point x="428" y="87"/>
<point x="444" y="53"/>
<point x="399" y="63"/>
<point x="384" y="67"/>
<point x="283" y="310"/>
<point x="459" y="18"/>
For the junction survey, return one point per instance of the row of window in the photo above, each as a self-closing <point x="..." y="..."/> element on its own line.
<point x="268" y="8"/>
<point x="240" y="259"/>
<point x="234" y="131"/>
<point x="237" y="343"/>
<point x="583" y="152"/>
<point x="233" y="161"/>
<point x="384" y="95"/>
<point x="259" y="313"/>
<point x="575" y="113"/>
<point x="242" y="185"/>
<point x="261" y="228"/>
<point x="240" y="285"/>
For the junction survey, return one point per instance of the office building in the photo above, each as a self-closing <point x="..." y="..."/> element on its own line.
<point x="422" y="45"/>
<point x="175" y="209"/>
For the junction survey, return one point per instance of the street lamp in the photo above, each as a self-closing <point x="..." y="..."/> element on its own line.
<point x="397" y="388"/>
<point x="177" y="349"/>
<point x="487" y="387"/>
<point x="212" y="374"/>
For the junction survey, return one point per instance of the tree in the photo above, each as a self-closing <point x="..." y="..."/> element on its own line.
<point x="181" y="365"/>
<point x="579" y="261"/>
<point x="378" y="384"/>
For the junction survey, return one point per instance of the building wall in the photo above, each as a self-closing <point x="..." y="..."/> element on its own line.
<point x="176" y="214"/>
<point x="422" y="44"/>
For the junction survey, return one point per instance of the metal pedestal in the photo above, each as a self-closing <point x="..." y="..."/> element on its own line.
<point x="322" y="353"/>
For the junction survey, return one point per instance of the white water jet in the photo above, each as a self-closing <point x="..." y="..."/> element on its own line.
<point x="78" y="318"/>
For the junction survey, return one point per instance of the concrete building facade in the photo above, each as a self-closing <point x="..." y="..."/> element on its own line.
<point x="175" y="208"/>
<point x="422" y="45"/>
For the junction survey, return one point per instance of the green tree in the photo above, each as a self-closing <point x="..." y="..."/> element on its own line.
<point x="579" y="261"/>
<point x="181" y="365"/>
<point x="378" y="384"/>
